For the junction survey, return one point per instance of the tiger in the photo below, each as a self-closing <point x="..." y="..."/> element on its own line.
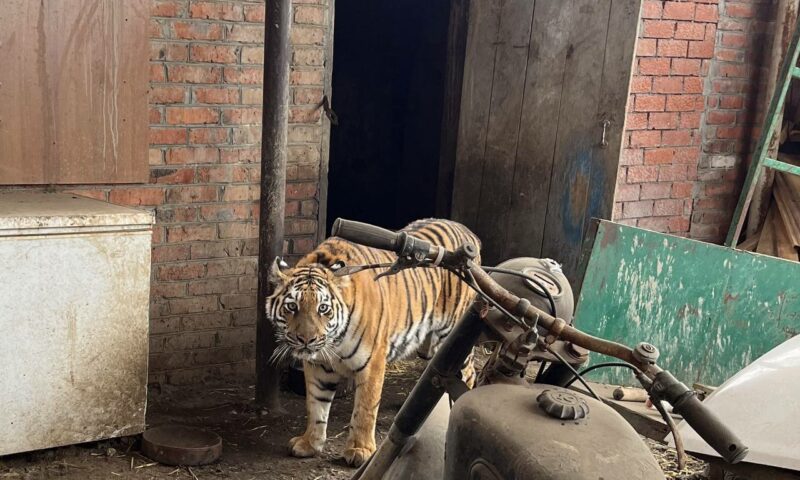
<point x="350" y="327"/>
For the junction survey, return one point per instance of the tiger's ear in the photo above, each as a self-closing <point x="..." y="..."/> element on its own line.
<point x="276" y="277"/>
<point x="337" y="265"/>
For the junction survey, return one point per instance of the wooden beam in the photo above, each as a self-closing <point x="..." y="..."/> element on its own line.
<point x="277" y="52"/>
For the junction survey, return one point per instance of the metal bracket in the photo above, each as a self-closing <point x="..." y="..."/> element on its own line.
<point x="603" y="139"/>
<point x="326" y="107"/>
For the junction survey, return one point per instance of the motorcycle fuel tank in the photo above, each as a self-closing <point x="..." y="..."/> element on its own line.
<point x="542" y="432"/>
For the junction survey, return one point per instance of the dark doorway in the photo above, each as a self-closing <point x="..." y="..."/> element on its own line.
<point x="388" y="88"/>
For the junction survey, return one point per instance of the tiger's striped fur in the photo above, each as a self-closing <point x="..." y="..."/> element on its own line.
<point x="351" y="326"/>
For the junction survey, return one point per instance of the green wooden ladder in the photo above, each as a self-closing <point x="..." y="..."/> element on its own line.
<point x="788" y="71"/>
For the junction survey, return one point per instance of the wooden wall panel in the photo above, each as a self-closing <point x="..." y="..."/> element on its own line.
<point x="73" y="91"/>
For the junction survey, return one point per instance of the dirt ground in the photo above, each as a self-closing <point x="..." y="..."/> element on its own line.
<point x="254" y="441"/>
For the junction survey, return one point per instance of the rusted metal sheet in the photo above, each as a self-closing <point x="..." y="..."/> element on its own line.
<point x="74" y="300"/>
<point x="711" y="310"/>
<point x="73" y="91"/>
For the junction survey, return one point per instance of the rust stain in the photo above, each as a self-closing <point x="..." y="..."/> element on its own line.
<point x="728" y="298"/>
<point x="610" y="235"/>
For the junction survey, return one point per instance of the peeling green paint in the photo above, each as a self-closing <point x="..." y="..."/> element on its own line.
<point x="710" y="310"/>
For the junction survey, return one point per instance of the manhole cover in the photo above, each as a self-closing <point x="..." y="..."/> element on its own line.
<point x="179" y="445"/>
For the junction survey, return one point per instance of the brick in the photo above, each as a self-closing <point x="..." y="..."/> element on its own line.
<point x="730" y="132"/>
<point x="194" y="74"/>
<point x="238" y="116"/>
<point x="239" y="193"/>
<point x="213" y="285"/>
<point x="651" y="9"/>
<point x="191" y="233"/>
<point x="194" y="194"/>
<point x="309" y="15"/>
<point x="226" y="213"/>
<point x="167" y="8"/>
<point x="678" y="224"/>
<point x="193" y="305"/>
<point x="663" y="121"/>
<point x="626" y="193"/>
<point x="717" y="117"/>
<point x="654" y="66"/>
<point x="231" y="266"/>
<point x="651" y="191"/>
<point x="155" y="116"/>
<point x="729" y="55"/>
<point x="658" y="29"/>
<point x="157" y="73"/>
<point x="244" y="75"/>
<point x="170" y="52"/>
<point x="214" y="53"/>
<point x="679" y="10"/>
<point x="310" y="57"/>
<point x="167" y="290"/>
<point x="636" y="121"/>
<point x="216" y="95"/>
<point x="667" y="85"/>
<point x="740" y="10"/>
<point x="254" y="13"/>
<point x="672" y="172"/>
<point x="164" y="95"/>
<point x="216" y="11"/>
<point x="96" y="194"/>
<point x="631" y="156"/>
<point x="236" y="301"/>
<point x="306" y="77"/>
<point x="252" y="96"/>
<point x="733" y="40"/>
<point x="307" y="36"/>
<point x="209" y="136"/>
<point x="672" y="48"/>
<point x="637" y="209"/>
<point x="253" y="55"/>
<point x="646" y="47"/>
<point x="685" y="66"/>
<point x="676" y="137"/>
<point x="692" y="85"/>
<point x="171" y="175"/>
<point x="297" y="226"/>
<point x="690" y="31"/>
<point x="313" y="96"/>
<point x="245" y="33"/>
<point x="658" y="156"/>
<point x="731" y="101"/>
<point x="649" y="103"/>
<point x="687" y="155"/>
<point x="682" y="190"/>
<point x="155" y="29"/>
<point x="192" y="155"/>
<point x="136" y="196"/>
<point x="683" y="103"/>
<point x="227" y="248"/>
<point x="167" y="136"/>
<point x="196" y="30"/>
<point x="176" y="214"/>
<point x="706" y="13"/>
<point x="642" y="173"/>
<point x="666" y="207"/>
<point x="184" y="271"/>
<point x="305" y="114"/>
<point x="303" y="134"/>
<point x="704" y="49"/>
<point x="301" y="190"/>
<point x="192" y="115"/>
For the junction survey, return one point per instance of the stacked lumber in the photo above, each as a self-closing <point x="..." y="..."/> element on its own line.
<point x="780" y="234"/>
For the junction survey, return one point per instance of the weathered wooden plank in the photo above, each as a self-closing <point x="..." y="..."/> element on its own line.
<point x="788" y="203"/>
<point x="572" y="186"/>
<point x="711" y="310"/>
<point x="751" y="242"/>
<point x="784" y="248"/>
<point x="451" y="108"/>
<point x="484" y="26"/>
<point x="766" y="242"/>
<point x="508" y="86"/>
<point x="544" y="82"/>
<point x="74" y="96"/>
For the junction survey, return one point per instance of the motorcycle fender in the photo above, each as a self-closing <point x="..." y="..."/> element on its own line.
<point x="424" y="460"/>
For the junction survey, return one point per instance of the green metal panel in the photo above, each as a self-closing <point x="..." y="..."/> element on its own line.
<point x="782" y="166"/>
<point x="710" y="310"/>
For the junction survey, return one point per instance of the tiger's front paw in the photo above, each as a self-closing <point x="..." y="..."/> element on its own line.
<point x="356" y="456"/>
<point x="301" y="447"/>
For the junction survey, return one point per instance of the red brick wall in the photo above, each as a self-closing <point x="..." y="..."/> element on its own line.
<point x="206" y="73"/>
<point x="690" y="114"/>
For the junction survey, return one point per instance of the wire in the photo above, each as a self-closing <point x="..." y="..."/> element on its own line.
<point x="601" y="365"/>
<point x="571" y="369"/>
<point x="535" y="281"/>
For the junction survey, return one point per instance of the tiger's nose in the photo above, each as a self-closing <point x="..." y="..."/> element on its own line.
<point x="306" y="340"/>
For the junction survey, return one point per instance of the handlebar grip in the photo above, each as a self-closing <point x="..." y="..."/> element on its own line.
<point x="366" y="234"/>
<point x="699" y="417"/>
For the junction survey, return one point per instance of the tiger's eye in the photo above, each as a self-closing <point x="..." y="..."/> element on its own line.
<point x="292" y="307"/>
<point x="324" y="308"/>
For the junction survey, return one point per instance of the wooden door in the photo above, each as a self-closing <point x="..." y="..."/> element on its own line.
<point x="541" y="79"/>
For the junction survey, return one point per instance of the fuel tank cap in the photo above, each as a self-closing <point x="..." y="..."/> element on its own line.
<point x="563" y="405"/>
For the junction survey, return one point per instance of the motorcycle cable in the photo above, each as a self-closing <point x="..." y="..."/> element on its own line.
<point x="530" y="278"/>
<point x="470" y="281"/>
<point x="602" y="365"/>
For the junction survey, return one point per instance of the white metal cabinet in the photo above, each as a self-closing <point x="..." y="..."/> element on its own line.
<point x="74" y="296"/>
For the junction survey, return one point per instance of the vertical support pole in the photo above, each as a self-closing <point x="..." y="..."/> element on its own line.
<point x="273" y="185"/>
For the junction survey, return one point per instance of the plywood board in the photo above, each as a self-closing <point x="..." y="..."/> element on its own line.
<point x="73" y="91"/>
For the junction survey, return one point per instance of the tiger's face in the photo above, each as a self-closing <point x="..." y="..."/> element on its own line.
<point x="308" y="311"/>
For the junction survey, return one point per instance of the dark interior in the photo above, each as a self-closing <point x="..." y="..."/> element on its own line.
<point x="388" y="89"/>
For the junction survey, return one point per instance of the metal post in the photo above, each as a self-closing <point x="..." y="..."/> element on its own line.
<point x="273" y="185"/>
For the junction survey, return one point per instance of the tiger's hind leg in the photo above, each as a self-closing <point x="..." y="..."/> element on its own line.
<point x="431" y="344"/>
<point x="320" y="389"/>
<point x="469" y="374"/>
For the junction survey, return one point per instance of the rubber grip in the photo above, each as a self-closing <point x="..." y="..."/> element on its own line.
<point x="366" y="234"/>
<point x="711" y="429"/>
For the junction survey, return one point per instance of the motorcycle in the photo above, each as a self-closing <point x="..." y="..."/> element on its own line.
<point x="507" y="427"/>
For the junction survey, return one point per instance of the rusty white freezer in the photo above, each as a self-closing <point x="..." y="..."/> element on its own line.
<point x="74" y="296"/>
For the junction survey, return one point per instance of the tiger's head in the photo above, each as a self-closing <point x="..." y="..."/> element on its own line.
<point x="308" y="310"/>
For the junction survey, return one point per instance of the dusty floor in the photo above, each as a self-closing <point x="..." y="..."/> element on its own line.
<point x="254" y="441"/>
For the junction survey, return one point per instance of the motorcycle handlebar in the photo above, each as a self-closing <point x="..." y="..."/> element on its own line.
<point x="367" y="235"/>
<point x="699" y="417"/>
<point x="665" y="386"/>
